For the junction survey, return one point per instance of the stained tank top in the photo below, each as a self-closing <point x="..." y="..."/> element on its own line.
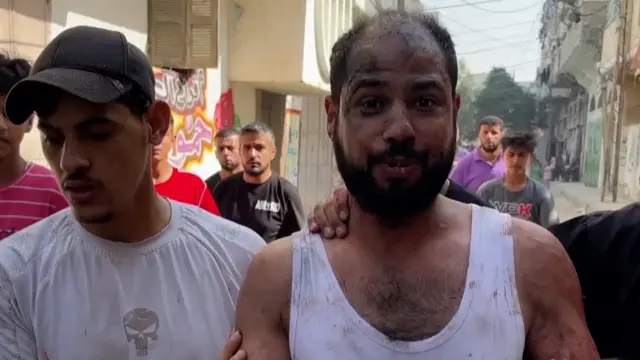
<point x="487" y="325"/>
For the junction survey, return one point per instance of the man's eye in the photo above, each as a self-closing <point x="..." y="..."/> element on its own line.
<point x="425" y="103"/>
<point x="371" y="105"/>
<point x="99" y="136"/>
<point x="53" y="140"/>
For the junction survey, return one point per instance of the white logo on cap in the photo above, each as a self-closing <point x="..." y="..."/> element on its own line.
<point x="118" y="84"/>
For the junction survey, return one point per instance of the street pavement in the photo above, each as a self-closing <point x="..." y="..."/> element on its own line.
<point x="573" y="199"/>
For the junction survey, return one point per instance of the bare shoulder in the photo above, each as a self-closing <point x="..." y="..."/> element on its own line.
<point x="273" y="264"/>
<point x="268" y="278"/>
<point x="262" y="314"/>
<point x="550" y="296"/>
<point x="543" y="267"/>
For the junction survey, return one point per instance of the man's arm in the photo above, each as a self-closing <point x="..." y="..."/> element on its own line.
<point x="294" y="218"/>
<point x="547" y="212"/>
<point x="550" y="296"/>
<point x="264" y="301"/>
<point x="17" y="340"/>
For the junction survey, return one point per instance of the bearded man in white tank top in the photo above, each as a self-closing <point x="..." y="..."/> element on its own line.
<point x="419" y="276"/>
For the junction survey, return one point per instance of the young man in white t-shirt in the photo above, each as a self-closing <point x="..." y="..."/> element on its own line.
<point x="124" y="273"/>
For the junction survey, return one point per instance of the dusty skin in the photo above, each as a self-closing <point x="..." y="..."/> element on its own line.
<point x="547" y="285"/>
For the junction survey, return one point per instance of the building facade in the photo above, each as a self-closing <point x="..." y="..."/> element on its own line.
<point x="219" y="63"/>
<point x="571" y="36"/>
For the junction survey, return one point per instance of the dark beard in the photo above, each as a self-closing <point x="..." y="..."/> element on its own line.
<point x="399" y="201"/>
<point x="489" y="149"/>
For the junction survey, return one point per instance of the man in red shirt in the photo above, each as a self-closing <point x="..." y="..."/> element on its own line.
<point x="176" y="185"/>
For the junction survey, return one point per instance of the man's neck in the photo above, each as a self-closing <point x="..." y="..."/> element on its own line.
<point x="260" y="179"/>
<point x="12" y="168"/>
<point x="226" y="173"/>
<point x="489" y="156"/>
<point x="515" y="182"/>
<point x="148" y="215"/>
<point x="162" y="171"/>
<point x="380" y="238"/>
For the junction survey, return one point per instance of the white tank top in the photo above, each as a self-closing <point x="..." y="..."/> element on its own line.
<point x="487" y="325"/>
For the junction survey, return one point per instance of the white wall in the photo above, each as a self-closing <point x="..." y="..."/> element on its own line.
<point x="126" y="16"/>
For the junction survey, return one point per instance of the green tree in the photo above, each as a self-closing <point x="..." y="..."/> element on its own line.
<point x="465" y="90"/>
<point x="501" y="96"/>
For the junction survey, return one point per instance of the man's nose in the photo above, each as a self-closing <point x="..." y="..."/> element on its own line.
<point x="399" y="126"/>
<point x="71" y="159"/>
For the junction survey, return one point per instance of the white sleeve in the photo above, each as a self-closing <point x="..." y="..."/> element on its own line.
<point x="17" y="340"/>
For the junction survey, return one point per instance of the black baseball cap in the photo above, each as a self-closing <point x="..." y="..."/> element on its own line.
<point x="94" y="64"/>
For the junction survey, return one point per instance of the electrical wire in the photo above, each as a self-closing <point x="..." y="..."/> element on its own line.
<point x="495" y="48"/>
<point x="475" y="5"/>
<point x="464" y="4"/>
<point x="475" y="31"/>
<point x="522" y="37"/>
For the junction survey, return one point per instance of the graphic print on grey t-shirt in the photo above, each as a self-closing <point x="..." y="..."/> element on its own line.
<point x="141" y="327"/>
<point x="534" y="202"/>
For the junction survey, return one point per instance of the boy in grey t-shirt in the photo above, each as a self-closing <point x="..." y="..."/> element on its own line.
<point x="516" y="193"/>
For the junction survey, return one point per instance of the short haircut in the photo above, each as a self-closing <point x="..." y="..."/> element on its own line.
<point x="12" y="70"/>
<point x="259" y="127"/>
<point x="225" y="133"/>
<point x="524" y="141"/>
<point x="391" y="18"/>
<point x="491" y="121"/>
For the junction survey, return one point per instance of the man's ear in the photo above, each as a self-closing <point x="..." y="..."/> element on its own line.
<point x="331" y="108"/>
<point x="29" y="123"/>
<point x="274" y="151"/>
<point x="159" y="120"/>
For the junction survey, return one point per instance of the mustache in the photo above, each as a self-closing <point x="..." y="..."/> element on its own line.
<point x="396" y="149"/>
<point x="78" y="178"/>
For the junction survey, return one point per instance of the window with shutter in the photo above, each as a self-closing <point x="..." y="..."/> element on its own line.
<point x="183" y="33"/>
<point x="202" y="49"/>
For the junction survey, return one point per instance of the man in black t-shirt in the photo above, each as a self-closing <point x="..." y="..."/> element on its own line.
<point x="257" y="198"/>
<point x="227" y="142"/>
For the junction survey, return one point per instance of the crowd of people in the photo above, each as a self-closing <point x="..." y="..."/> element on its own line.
<point x="116" y="247"/>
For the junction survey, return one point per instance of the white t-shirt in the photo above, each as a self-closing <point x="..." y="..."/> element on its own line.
<point x="66" y="294"/>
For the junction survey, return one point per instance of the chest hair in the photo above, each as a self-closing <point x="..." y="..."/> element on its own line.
<point x="403" y="306"/>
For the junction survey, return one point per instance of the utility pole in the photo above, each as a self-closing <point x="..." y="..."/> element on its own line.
<point x="619" y="82"/>
<point x="401" y="6"/>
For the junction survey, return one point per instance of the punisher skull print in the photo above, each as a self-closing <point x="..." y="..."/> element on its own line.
<point x="141" y="327"/>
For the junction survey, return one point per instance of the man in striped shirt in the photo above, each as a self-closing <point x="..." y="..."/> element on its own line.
<point x="28" y="192"/>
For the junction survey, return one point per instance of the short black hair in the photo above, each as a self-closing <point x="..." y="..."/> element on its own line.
<point x="524" y="141"/>
<point x="259" y="127"/>
<point x="12" y="70"/>
<point x="342" y="47"/>
<point x="224" y="133"/>
<point x="491" y="121"/>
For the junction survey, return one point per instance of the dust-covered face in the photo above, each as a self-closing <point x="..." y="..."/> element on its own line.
<point x="394" y="129"/>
